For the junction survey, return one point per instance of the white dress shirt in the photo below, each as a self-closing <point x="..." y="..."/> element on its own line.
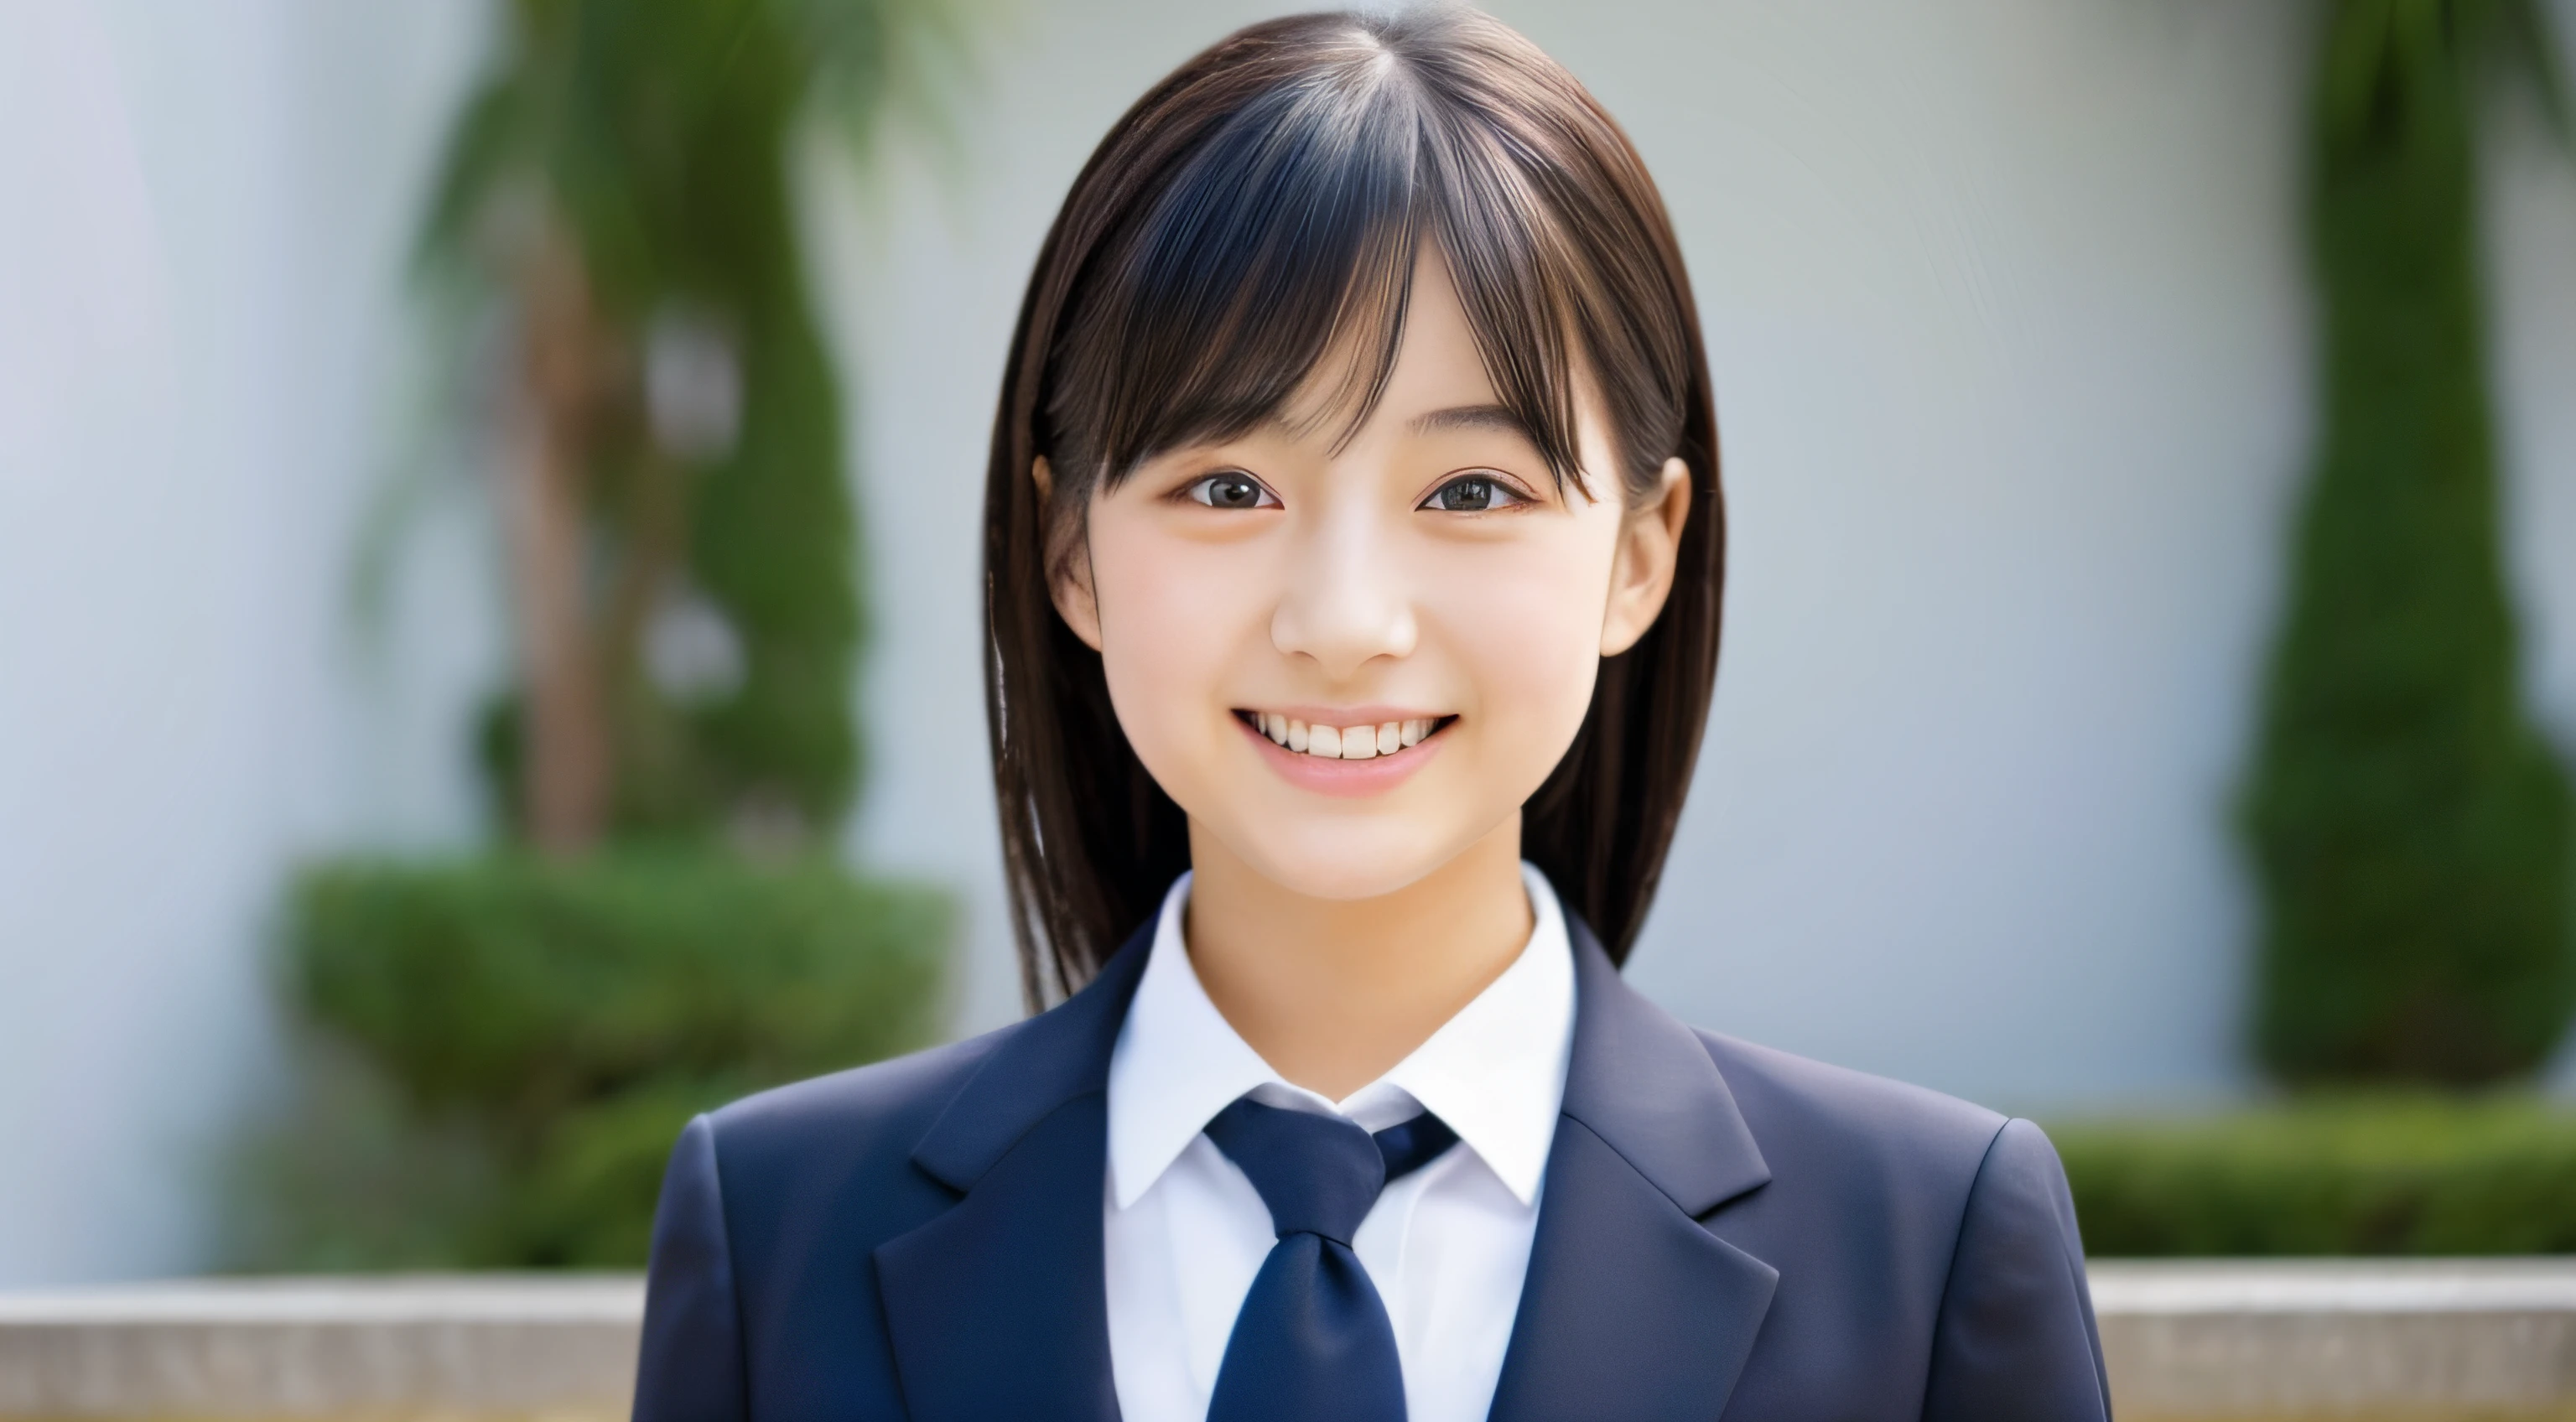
<point x="1446" y="1246"/>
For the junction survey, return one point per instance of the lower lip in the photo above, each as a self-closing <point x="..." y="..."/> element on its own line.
<point x="1349" y="779"/>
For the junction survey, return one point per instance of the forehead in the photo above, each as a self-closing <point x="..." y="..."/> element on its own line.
<point x="1438" y="381"/>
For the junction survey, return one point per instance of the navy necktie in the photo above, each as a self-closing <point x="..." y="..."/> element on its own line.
<point x="1312" y="1343"/>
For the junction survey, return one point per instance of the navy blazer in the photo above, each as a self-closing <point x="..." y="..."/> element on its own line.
<point x="1724" y="1231"/>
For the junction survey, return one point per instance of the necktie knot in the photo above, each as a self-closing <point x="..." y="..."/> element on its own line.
<point x="1321" y="1174"/>
<point x="1318" y="1174"/>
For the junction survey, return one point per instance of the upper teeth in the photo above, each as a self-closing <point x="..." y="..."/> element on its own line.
<point x="1343" y="742"/>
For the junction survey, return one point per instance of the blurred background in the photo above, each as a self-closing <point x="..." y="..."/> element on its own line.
<point x="489" y="624"/>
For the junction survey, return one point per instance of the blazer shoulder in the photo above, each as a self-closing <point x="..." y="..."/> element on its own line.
<point x="845" y="1127"/>
<point x="1808" y="1115"/>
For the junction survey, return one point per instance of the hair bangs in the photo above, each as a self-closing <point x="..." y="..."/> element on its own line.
<point x="1270" y="277"/>
<point x="1279" y="250"/>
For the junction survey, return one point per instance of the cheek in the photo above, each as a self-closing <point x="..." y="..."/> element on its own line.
<point x="1526" y="622"/>
<point x="1174" y="614"/>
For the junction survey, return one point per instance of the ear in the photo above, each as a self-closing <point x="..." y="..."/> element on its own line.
<point x="1641" y="576"/>
<point x="1069" y="587"/>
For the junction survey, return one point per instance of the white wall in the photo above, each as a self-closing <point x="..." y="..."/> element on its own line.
<point x="2007" y="330"/>
<point x="2006" y="314"/>
<point x="205" y="209"/>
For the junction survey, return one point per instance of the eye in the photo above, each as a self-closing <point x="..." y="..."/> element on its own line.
<point x="1474" y="493"/>
<point x="1232" y="489"/>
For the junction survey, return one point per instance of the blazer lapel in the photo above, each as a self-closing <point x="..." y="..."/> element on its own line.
<point x="997" y="1307"/>
<point x="1632" y="1309"/>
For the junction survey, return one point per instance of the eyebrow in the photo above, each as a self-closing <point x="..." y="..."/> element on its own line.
<point x="1496" y="418"/>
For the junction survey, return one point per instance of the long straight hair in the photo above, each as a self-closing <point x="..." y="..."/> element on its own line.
<point x="1261" y="208"/>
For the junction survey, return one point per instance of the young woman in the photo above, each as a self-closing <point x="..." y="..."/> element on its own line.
<point x="1353" y="550"/>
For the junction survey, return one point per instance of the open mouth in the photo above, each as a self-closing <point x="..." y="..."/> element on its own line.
<point x="1361" y="742"/>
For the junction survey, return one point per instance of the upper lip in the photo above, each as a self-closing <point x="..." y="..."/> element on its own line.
<point x="1349" y="715"/>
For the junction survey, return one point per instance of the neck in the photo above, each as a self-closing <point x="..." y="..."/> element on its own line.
<point x="1333" y="993"/>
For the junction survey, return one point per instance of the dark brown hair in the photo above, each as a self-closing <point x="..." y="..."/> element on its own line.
<point x="1260" y="208"/>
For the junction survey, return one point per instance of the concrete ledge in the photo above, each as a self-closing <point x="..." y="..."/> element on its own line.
<point x="2380" y="1338"/>
<point x="2392" y="1339"/>
<point x="549" y="1346"/>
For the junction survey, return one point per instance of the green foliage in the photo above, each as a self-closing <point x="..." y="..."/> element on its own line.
<point x="497" y="1054"/>
<point x="2405" y="1175"/>
<point x="508" y="1047"/>
<point x="2409" y="827"/>
<point x="655" y="141"/>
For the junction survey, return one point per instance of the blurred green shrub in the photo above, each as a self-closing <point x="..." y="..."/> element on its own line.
<point x="505" y="1048"/>
<point x="2360" y="1175"/>
<point x="2409" y="826"/>
<point x="618" y="197"/>
<point x="493" y="1056"/>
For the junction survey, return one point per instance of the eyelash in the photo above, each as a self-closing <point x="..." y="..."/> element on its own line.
<point x="1201" y="491"/>
<point x="1496" y="486"/>
<point x="1198" y="491"/>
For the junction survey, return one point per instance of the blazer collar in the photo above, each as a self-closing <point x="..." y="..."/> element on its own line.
<point x="998" y="1306"/>
<point x="1039" y="1065"/>
<point x="1643" y="1082"/>
<point x="1632" y="1308"/>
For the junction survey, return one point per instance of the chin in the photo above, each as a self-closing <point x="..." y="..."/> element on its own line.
<point x="1346" y="862"/>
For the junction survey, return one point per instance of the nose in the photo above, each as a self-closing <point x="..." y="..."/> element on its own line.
<point x="1347" y="601"/>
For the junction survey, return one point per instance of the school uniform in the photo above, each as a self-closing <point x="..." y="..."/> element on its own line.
<point x="1636" y="1221"/>
<point x="1447" y="1246"/>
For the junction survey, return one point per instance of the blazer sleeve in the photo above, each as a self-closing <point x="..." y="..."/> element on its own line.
<point x="2016" y="1341"/>
<point x="690" y="1368"/>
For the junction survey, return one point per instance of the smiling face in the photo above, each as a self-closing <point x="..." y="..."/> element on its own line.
<point x="1349" y="659"/>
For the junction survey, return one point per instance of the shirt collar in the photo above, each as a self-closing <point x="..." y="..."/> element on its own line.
<point x="1495" y="1072"/>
